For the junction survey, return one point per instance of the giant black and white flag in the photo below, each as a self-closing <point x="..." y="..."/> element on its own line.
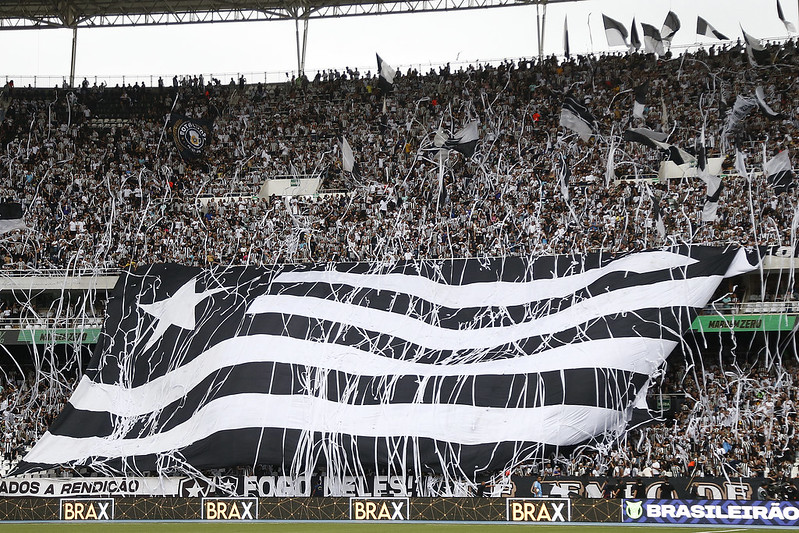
<point x="704" y="28"/>
<point x="460" y="366"/>
<point x="385" y="75"/>
<point x="576" y="116"/>
<point x="615" y="31"/>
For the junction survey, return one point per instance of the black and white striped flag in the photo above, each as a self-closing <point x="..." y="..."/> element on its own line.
<point x="779" y="172"/>
<point x="576" y="116"/>
<point x="763" y="105"/>
<point x="347" y="157"/>
<point x="670" y="27"/>
<point x="615" y="32"/>
<point x="704" y="28"/>
<point x="639" y="103"/>
<point x="385" y="75"/>
<point x="465" y="139"/>
<point x="654" y="139"/>
<point x="458" y="366"/>
<point x="755" y="51"/>
<point x="714" y="188"/>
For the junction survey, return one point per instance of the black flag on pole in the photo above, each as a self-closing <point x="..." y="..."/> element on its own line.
<point x="635" y="41"/>
<point x="657" y="214"/>
<point x="566" y="37"/>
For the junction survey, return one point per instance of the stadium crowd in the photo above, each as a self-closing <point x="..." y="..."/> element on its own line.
<point x="102" y="186"/>
<point x="107" y="196"/>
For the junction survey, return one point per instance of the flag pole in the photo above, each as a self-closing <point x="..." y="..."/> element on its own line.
<point x="538" y="29"/>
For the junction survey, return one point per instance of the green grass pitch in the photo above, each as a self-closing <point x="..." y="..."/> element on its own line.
<point x="347" y="527"/>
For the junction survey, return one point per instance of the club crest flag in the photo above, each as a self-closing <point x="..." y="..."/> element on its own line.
<point x="191" y="135"/>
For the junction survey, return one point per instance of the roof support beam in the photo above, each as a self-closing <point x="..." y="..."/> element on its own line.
<point x="74" y="49"/>
<point x="301" y="48"/>
<point x="91" y="13"/>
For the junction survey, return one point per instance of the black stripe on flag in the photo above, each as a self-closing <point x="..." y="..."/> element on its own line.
<point x="592" y="387"/>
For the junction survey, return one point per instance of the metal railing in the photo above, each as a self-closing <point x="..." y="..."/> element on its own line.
<point x="51" y="323"/>
<point x="60" y="272"/>
<point x="752" y="308"/>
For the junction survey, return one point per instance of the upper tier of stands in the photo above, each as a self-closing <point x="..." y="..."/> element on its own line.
<point x="103" y="186"/>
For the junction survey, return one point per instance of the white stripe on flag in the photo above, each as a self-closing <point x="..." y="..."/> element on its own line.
<point x="560" y="425"/>
<point x="641" y="355"/>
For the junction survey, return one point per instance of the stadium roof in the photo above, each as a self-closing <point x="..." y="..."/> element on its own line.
<point x="38" y="14"/>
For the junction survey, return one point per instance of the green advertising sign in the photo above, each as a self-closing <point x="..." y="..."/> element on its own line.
<point x="58" y="336"/>
<point x="711" y="323"/>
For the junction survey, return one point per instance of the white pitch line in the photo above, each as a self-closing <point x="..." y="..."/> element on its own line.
<point x="723" y="530"/>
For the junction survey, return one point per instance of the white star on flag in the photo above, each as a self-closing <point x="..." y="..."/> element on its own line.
<point x="177" y="310"/>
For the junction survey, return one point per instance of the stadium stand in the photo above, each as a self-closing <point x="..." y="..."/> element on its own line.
<point x="103" y="188"/>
